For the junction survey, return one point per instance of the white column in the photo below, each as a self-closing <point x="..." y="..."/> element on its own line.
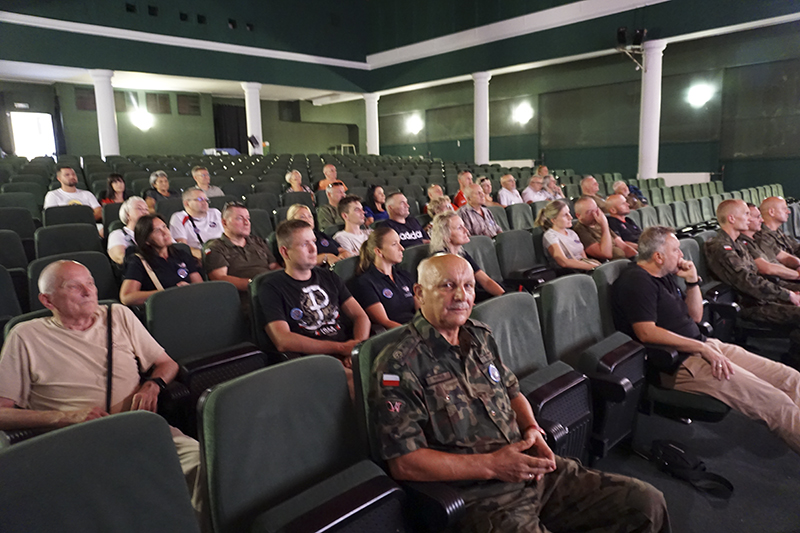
<point x="106" y="115"/>
<point x="481" y="98"/>
<point x="650" y="113"/>
<point x="373" y="136"/>
<point x="252" y="111"/>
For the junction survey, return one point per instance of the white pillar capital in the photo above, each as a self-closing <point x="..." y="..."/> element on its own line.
<point x="656" y="46"/>
<point x="106" y="114"/>
<point x="252" y="111"/>
<point x="373" y="125"/>
<point x="481" y="105"/>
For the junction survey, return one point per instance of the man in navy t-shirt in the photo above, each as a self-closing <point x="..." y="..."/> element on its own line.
<point x="408" y="228"/>
<point x="303" y="305"/>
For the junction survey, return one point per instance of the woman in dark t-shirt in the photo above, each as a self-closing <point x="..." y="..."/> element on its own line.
<point x="157" y="265"/>
<point x="384" y="290"/>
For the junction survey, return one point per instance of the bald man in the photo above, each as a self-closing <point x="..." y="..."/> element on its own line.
<point x="329" y="171"/>
<point x="590" y="187"/>
<point x="776" y="245"/>
<point x="618" y="209"/>
<point x="53" y="370"/>
<point x="621" y="188"/>
<point x="596" y="237"/>
<point x="449" y="410"/>
<point x="767" y="264"/>
<point x="761" y="300"/>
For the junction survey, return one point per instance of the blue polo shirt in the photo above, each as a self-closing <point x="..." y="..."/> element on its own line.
<point x="396" y="296"/>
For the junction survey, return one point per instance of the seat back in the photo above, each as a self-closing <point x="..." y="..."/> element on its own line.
<point x="520" y="216"/>
<point x="346" y="268"/>
<point x="666" y="194"/>
<point x="681" y="215"/>
<point x="257" y="318"/>
<point x="688" y="193"/>
<point x="515" y="252"/>
<point x="693" y="251"/>
<point x="168" y="207"/>
<point x="655" y="197"/>
<point x="98" y="264"/>
<point x="68" y="214"/>
<point x="291" y="198"/>
<point x="21" y="199"/>
<point x="196" y="319"/>
<point x="747" y="196"/>
<point x="500" y="216"/>
<point x="116" y="474"/>
<point x="263" y="200"/>
<point x="570" y="317"/>
<point x="604" y="277"/>
<point x="694" y="211"/>
<point x="649" y="216"/>
<point x="514" y="320"/>
<point x="38" y="191"/>
<point x="665" y="217"/>
<point x="12" y="253"/>
<point x="412" y="257"/>
<point x="481" y="248"/>
<point x="259" y="457"/>
<point x="704" y="189"/>
<point x="18" y="220"/>
<point x="66" y="238"/>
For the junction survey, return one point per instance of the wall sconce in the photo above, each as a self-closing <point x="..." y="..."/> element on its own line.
<point x="414" y="124"/>
<point x="522" y="114"/>
<point x="700" y="94"/>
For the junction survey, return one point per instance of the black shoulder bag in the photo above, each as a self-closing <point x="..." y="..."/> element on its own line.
<point x="110" y="359"/>
<point x="673" y="458"/>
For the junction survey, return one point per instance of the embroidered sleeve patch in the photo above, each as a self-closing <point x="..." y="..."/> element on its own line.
<point x="727" y="248"/>
<point x="390" y="380"/>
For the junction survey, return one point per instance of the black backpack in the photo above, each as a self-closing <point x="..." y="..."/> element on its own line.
<point x="675" y="459"/>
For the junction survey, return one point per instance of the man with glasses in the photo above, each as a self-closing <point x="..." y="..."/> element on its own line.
<point x="202" y="177"/>
<point x="535" y="192"/>
<point x="196" y="224"/>
<point x="237" y="256"/>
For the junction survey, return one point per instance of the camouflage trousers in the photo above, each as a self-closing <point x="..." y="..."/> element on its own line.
<point x="570" y="499"/>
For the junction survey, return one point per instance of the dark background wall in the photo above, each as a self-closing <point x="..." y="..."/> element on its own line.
<point x="586" y="114"/>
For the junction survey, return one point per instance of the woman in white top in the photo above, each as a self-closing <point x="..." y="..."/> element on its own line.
<point x="561" y="243"/>
<point x="120" y="239"/>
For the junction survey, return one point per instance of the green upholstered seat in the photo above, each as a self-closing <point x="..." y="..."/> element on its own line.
<point x="67" y="238"/>
<point x="68" y="214"/>
<point x="98" y="264"/>
<point x="520" y="216"/>
<point x="118" y="474"/>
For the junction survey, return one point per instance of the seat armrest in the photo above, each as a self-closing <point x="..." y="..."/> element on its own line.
<point x="13" y="436"/>
<point x="727" y="310"/>
<point x="706" y="328"/>
<point x="434" y="506"/>
<point x="539" y="397"/>
<point x="555" y="433"/>
<point x="175" y="392"/>
<point x="663" y="358"/>
<point x="224" y="356"/>
<point x="531" y="278"/>
<point x="609" y="387"/>
<point x="608" y="363"/>
<point x="340" y="508"/>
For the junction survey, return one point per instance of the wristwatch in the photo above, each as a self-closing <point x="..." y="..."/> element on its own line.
<point x="694" y="283"/>
<point x="158" y="381"/>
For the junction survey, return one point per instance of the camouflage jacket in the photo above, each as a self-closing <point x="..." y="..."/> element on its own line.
<point x="752" y="247"/>
<point x="773" y="242"/>
<point x="730" y="261"/>
<point x="431" y="394"/>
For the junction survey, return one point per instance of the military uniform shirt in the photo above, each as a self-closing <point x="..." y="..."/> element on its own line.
<point x="327" y="215"/>
<point x="732" y="264"/>
<point x="396" y="296"/>
<point x="246" y="261"/>
<point x="753" y="248"/>
<point x="454" y="399"/>
<point x="774" y="242"/>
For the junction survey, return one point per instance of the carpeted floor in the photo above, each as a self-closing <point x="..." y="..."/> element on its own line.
<point x="765" y="474"/>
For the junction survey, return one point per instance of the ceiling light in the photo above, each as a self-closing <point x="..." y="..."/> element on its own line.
<point x="700" y="94"/>
<point x="414" y="124"/>
<point x="522" y="114"/>
<point x="142" y="119"/>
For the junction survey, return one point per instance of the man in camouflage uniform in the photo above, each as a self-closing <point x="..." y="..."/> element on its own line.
<point x="448" y="410"/>
<point x="766" y="262"/>
<point x="761" y="299"/>
<point x="776" y="245"/>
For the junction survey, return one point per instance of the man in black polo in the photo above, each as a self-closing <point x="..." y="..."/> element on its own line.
<point x="409" y="228"/>
<point x="618" y="220"/>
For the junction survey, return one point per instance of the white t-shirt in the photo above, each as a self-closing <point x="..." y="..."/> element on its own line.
<point x="507" y="198"/>
<point x="351" y="241"/>
<point x="60" y="197"/>
<point x="209" y="227"/>
<point x="570" y="243"/>
<point x="529" y="195"/>
<point x="121" y="237"/>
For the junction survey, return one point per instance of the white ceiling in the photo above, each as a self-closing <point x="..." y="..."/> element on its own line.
<point x="49" y="74"/>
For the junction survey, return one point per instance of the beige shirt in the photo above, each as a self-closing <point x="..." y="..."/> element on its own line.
<point x="44" y="366"/>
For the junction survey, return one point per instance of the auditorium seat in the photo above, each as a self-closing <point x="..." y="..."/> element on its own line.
<point x="9" y="301"/>
<point x="15" y="261"/>
<point x="573" y="333"/>
<point x="22" y="199"/>
<point x="98" y="264"/>
<point x="519" y="264"/>
<point x="560" y="396"/>
<point x="66" y="238"/>
<point x="269" y="471"/>
<point x="118" y="474"/>
<point x="481" y="248"/>
<point x="520" y="216"/>
<point x="68" y="214"/>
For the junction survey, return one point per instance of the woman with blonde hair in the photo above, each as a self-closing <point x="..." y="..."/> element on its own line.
<point x="561" y="243"/>
<point x="384" y="290"/>
<point x="328" y="250"/>
<point x="295" y="181"/>
<point x="449" y="235"/>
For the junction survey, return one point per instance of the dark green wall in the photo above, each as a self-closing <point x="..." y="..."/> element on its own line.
<point x="586" y="114"/>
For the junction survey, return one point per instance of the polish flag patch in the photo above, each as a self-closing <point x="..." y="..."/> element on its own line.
<point x="727" y="248"/>
<point x="391" y="380"/>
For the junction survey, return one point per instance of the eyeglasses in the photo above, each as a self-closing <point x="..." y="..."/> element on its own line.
<point x="201" y="200"/>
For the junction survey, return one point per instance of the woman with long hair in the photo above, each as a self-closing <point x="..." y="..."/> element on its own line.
<point x="384" y="290"/>
<point x="115" y="192"/>
<point x="328" y="250"/>
<point x="375" y="205"/>
<point x="561" y="243"/>
<point x="449" y="235"/>
<point x="157" y="265"/>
